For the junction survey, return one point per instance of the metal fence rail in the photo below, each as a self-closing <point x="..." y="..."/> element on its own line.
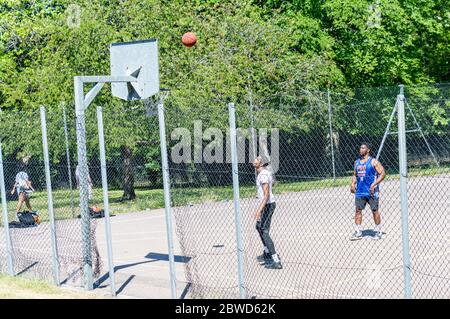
<point x="312" y="152"/>
<point x="311" y="140"/>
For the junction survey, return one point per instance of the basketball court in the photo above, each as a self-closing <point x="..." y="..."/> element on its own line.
<point x="311" y="231"/>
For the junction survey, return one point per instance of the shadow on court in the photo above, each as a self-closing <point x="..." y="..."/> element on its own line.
<point x="141" y="262"/>
<point x="165" y="257"/>
<point x="155" y="257"/>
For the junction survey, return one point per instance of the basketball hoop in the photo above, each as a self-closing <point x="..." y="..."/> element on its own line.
<point x="151" y="104"/>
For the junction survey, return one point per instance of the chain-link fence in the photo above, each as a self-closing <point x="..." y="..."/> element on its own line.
<point x="428" y="189"/>
<point x="26" y="190"/>
<point x="312" y="141"/>
<point x="49" y="246"/>
<point x="202" y="196"/>
<point x="134" y="186"/>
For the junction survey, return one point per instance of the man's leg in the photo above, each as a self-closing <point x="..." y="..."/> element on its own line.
<point x="266" y="221"/>
<point x="360" y="203"/>
<point x="20" y="201"/>
<point x="259" y="230"/>
<point x="376" y="217"/>
<point x="358" y="218"/>
<point x="27" y="202"/>
<point x="266" y="255"/>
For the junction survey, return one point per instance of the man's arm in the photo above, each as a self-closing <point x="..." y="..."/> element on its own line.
<point x="381" y="174"/>
<point x="30" y="186"/>
<point x="264" y="201"/>
<point x="353" y="184"/>
<point x="14" y="188"/>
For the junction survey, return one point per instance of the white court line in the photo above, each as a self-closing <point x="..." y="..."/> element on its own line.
<point x="426" y="257"/>
<point x="446" y="244"/>
<point x="350" y="200"/>
<point x="313" y="292"/>
<point x="116" y="233"/>
<point x="135" y="219"/>
<point x="446" y="239"/>
<point x="114" y="241"/>
<point x="338" y="295"/>
<point x="399" y="266"/>
<point x="279" y="288"/>
<point x="360" y="246"/>
<point x="337" y="283"/>
<point x="149" y="263"/>
<point x="49" y="252"/>
<point x="140" y="258"/>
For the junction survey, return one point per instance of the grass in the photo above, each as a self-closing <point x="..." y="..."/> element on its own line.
<point x="154" y="198"/>
<point x="21" y="288"/>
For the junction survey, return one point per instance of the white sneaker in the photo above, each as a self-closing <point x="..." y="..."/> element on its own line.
<point x="377" y="235"/>
<point x="357" y="235"/>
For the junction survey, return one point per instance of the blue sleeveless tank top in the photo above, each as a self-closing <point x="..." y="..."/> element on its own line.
<point x="366" y="174"/>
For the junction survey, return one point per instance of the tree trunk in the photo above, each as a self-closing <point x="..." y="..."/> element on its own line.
<point x="128" y="175"/>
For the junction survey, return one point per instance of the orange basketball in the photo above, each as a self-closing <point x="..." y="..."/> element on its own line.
<point x="189" y="39"/>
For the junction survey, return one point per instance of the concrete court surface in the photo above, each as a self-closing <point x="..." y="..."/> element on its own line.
<point x="140" y="256"/>
<point x="311" y="231"/>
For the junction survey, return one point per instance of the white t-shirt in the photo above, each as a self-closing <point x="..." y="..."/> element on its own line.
<point x="22" y="179"/>
<point x="77" y="176"/>
<point x="265" y="177"/>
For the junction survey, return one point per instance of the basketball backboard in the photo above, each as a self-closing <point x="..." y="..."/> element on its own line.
<point x="138" y="59"/>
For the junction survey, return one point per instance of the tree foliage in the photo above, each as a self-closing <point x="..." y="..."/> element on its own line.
<point x="280" y="52"/>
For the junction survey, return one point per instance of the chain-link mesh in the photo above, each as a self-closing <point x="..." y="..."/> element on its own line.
<point x="3" y="254"/>
<point x="428" y="112"/>
<point x="312" y="153"/>
<point x="134" y="188"/>
<point x="202" y="196"/>
<point x="3" y="263"/>
<point x="71" y="232"/>
<point x="31" y="244"/>
<point x="312" y="139"/>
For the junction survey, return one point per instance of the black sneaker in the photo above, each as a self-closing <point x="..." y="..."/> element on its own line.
<point x="264" y="259"/>
<point x="274" y="265"/>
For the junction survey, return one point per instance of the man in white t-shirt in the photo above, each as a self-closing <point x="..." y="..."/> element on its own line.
<point x="90" y="184"/>
<point x="264" y="213"/>
<point x="24" y="189"/>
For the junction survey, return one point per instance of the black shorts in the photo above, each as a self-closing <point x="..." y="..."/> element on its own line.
<point x="360" y="203"/>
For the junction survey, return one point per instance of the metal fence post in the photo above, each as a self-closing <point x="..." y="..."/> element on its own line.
<point x="167" y="203"/>
<point x="403" y="192"/>
<point x="237" y="209"/>
<point x="101" y="143"/>
<point x="331" y="135"/>
<point x="9" y="260"/>
<point x="48" y="181"/>
<point x="252" y="121"/>
<point x="82" y="162"/>
<point x="387" y="131"/>
<point x="69" y="168"/>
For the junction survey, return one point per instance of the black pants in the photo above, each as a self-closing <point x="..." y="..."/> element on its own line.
<point x="263" y="227"/>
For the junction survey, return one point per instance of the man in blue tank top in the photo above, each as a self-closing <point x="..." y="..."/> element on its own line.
<point x="367" y="176"/>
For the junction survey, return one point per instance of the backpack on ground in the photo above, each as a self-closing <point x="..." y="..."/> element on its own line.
<point x="27" y="218"/>
<point x="96" y="212"/>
